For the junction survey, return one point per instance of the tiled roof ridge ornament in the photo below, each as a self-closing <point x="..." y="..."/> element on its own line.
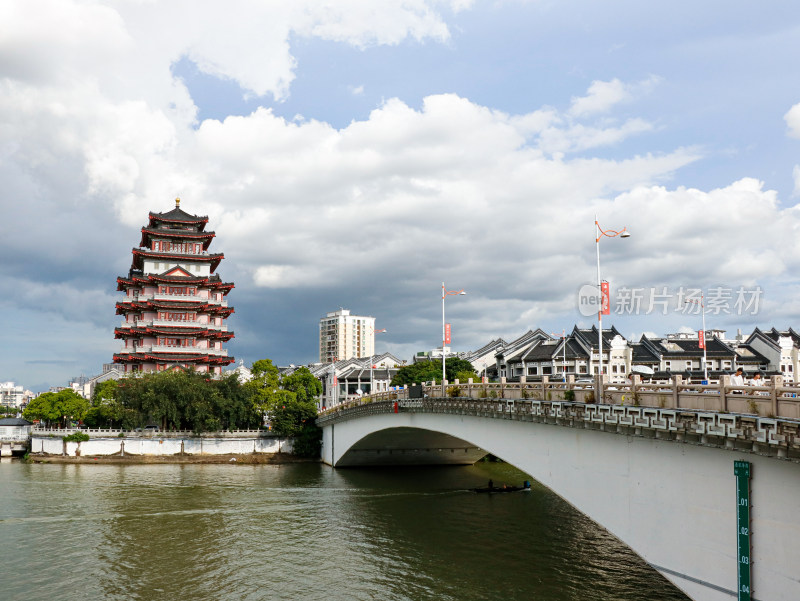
<point x="177" y="202"/>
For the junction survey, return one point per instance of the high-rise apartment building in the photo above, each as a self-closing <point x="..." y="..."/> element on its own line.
<point x="344" y="336"/>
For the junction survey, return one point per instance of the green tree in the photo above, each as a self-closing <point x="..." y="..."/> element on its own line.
<point x="105" y="409"/>
<point x="264" y="386"/>
<point x="104" y="391"/>
<point x="431" y="371"/>
<point x="303" y="383"/>
<point x="63" y="407"/>
<point x="297" y="419"/>
<point x="235" y="404"/>
<point x="464" y="376"/>
<point x="42" y="409"/>
<point x="289" y="404"/>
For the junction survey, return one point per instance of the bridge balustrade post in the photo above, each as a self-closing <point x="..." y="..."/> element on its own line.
<point x="636" y="380"/>
<point x="545" y="382"/>
<point x="502" y="387"/>
<point x="775" y="383"/>
<point x="469" y="388"/>
<point x="523" y="394"/>
<point x="724" y="382"/>
<point x="598" y="388"/>
<point x="570" y="382"/>
<point x="676" y="391"/>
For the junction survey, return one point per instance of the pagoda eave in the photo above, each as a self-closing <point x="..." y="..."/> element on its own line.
<point x="177" y="332"/>
<point x="204" y="237"/>
<point x="172" y="358"/>
<point x="212" y="282"/>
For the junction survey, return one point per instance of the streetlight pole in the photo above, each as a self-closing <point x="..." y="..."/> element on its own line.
<point x="702" y="337"/>
<point x="371" y="366"/>
<point x="564" y="355"/>
<point x="445" y="294"/>
<point x="599" y="233"/>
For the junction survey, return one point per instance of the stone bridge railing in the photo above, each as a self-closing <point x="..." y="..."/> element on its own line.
<point x="768" y="436"/>
<point x="775" y="399"/>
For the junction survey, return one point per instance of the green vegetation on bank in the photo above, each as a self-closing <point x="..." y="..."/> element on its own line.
<point x="189" y="400"/>
<point x="57" y="408"/>
<point x="8" y="412"/>
<point x="431" y="371"/>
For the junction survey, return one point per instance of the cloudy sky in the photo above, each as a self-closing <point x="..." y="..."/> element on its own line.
<point x="356" y="154"/>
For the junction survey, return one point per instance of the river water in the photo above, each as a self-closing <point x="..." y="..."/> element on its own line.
<point x="302" y="531"/>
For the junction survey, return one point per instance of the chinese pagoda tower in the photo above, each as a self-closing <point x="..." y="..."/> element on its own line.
<point x="174" y="307"/>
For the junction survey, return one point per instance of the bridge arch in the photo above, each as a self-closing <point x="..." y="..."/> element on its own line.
<point x="673" y="503"/>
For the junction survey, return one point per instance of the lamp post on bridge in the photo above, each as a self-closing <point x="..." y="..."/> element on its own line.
<point x="603" y="290"/>
<point x="371" y="364"/>
<point x="445" y="332"/>
<point x="701" y="336"/>
<point x="564" y="356"/>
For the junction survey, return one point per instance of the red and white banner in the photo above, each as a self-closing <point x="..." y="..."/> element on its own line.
<point x="447" y="333"/>
<point x="605" y="306"/>
<point x="701" y="337"/>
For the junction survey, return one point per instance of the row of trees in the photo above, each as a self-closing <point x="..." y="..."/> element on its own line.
<point x="188" y="400"/>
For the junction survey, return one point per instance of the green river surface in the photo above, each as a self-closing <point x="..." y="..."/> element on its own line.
<point x="302" y="531"/>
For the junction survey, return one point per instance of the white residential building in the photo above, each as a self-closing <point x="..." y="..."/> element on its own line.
<point x="12" y="395"/>
<point x="344" y="336"/>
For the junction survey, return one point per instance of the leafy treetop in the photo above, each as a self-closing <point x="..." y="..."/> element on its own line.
<point x="431" y="371"/>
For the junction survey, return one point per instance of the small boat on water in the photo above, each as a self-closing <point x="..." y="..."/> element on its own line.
<point x="526" y="487"/>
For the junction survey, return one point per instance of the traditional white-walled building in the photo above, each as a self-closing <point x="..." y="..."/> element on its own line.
<point x="114" y="373"/>
<point x="15" y="433"/>
<point x="344" y="379"/>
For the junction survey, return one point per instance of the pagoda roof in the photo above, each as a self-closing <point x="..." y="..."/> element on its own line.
<point x="140" y="253"/>
<point x="178" y="215"/>
<point x="148" y="232"/>
<point x="196" y="332"/>
<point x="172" y="357"/>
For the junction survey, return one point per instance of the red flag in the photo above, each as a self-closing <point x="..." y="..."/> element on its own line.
<point x="605" y="308"/>
<point x="447" y="333"/>
<point x="701" y="337"/>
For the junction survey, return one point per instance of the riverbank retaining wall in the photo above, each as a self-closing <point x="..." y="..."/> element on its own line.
<point x="52" y="444"/>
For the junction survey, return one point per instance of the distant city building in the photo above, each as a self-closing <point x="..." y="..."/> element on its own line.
<point x="174" y="308"/>
<point x="13" y="396"/>
<point x="344" y="336"/>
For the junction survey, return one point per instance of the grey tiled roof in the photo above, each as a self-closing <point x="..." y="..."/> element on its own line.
<point x="14" y="421"/>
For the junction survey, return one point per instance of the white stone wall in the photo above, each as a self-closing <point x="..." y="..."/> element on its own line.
<point x="156" y="446"/>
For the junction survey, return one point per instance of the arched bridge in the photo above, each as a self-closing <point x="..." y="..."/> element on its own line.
<point x="710" y="500"/>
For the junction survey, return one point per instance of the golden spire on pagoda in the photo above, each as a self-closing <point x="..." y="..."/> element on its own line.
<point x="178" y="203"/>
